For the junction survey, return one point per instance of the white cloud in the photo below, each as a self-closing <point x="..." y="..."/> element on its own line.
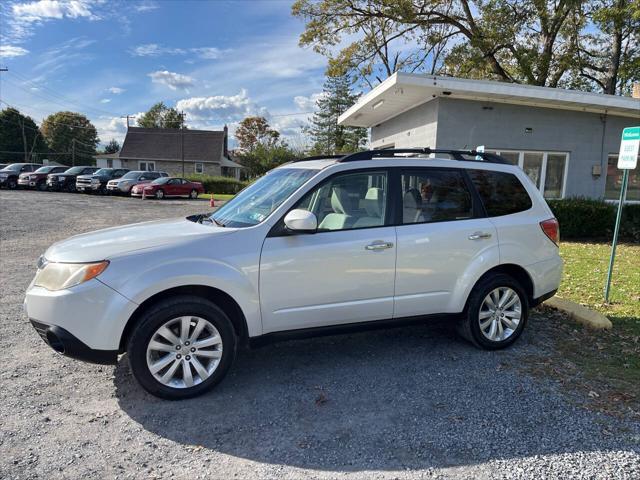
<point x="115" y="90"/>
<point x="307" y="104"/>
<point x="156" y="50"/>
<point x="114" y="127"/>
<point x="10" y="51"/>
<point x="146" y="6"/>
<point x="171" y="79"/>
<point x="52" y="9"/>
<point x="105" y="100"/>
<point x="219" y="109"/>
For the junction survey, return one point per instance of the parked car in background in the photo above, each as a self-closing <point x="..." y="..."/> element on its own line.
<point x="9" y="174"/>
<point x="2" y="165"/>
<point x="66" y="181"/>
<point x="168" y="187"/>
<point x="38" y="178"/>
<point x="97" y="182"/>
<point x="124" y="184"/>
<point x="314" y="246"/>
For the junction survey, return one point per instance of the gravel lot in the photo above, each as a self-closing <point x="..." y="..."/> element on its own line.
<point x="404" y="403"/>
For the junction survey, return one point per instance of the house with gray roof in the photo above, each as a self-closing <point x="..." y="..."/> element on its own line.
<point x="177" y="152"/>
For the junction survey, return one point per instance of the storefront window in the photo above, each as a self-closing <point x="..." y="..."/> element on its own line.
<point x="532" y="166"/>
<point x="554" y="176"/>
<point x="614" y="181"/>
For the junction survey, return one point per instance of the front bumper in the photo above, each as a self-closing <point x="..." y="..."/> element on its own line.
<point x="92" y="313"/>
<point x="65" y="343"/>
<point x="115" y="188"/>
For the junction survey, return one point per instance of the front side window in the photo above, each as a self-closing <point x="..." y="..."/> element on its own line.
<point x="349" y="201"/>
<point x="256" y="202"/>
<point x="433" y="195"/>
<point x="614" y="181"/>
<point x="501" y="193"/>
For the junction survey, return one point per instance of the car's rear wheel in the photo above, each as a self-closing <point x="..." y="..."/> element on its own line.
<point x="194" y="194"/>
<point x="160" y="194"/>
<point x="496" y="313"/>
<point x="182" y="347"/>
<point x="12" y="183"/>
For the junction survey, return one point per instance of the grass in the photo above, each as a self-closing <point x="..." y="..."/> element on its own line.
<point x="607" y="363"/>
<point x="217" y="196"/>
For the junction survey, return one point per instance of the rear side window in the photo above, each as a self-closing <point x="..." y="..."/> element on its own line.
<point x="502" y="193"/>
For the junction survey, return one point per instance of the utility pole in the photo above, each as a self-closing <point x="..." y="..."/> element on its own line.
<point x="182" y="140"/>
<point x="127" y="117"/>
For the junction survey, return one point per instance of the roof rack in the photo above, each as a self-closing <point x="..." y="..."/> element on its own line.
<point x="455" y="154"/>
<point x="319" y="157"/>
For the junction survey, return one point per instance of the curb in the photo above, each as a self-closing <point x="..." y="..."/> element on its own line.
<point x="580" y="314"/>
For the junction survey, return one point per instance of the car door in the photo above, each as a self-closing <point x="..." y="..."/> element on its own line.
<point x="443" y="237"/>
<point x="173" y="187"/>
<point x="343" y="273"/>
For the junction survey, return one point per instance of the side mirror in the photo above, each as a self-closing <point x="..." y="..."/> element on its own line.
<point x="301" y="221"/>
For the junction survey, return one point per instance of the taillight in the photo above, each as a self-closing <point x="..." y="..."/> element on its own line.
<point x="551" y="229"/>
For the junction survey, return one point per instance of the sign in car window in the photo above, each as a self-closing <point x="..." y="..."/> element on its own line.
<point x="629" y="146"/>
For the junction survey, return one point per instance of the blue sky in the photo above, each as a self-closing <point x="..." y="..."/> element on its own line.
<point x="218" y="60"/>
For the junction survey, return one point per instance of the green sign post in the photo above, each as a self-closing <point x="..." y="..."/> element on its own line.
<point x="627" y="160"/>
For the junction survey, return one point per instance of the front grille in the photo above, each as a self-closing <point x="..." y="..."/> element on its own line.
<point x="84" y="181"/>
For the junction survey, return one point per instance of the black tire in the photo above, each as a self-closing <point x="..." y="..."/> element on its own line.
<point x="12" y="183"/>
<point x="193" y="195"/>
<point x="159" y="194"/>
<point x="469" y="326"/>
<point x="42" y="186"/>
<point x="159" y="314"/>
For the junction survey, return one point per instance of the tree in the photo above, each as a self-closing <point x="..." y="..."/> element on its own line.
<point x="20" y="137"/>
<point x="73" y="135"/>
<point x="541" y="42"/>
<point x="264" y="157"/>
<point x="161" y="116"/>
<point x="328" y="137"/>
<point x="112" y="147"/>
<point x="256" y="131"/>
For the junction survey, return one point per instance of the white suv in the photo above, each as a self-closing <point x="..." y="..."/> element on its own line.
<point x="315" y="246"/>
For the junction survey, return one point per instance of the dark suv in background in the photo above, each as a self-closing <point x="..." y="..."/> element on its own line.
<point x="38" y="179"/>
<point x="9" y="174"/>
<point x="97" y="182"/>
<point x="66" y="181"/>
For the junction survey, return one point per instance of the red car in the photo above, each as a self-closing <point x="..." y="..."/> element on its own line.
<point x="38" y="179"/>
<point x="168" y="187"/>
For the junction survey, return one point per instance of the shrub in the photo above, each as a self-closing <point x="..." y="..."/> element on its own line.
<point x="213" y="184"/>
<point x="584" y="218"/>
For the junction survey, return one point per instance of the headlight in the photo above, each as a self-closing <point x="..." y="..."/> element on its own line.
<point x="95" y="180"/>
<point x="58" y="276"/>
<point x="3" y="175"/>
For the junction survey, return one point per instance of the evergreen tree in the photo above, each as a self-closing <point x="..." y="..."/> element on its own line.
<point x="112" y="147"/>
<point x="328" y="137"/>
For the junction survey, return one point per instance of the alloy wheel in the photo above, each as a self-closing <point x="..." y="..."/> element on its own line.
<point x="500" y="314"/>
<point x="159" y="194"/>
<point x="184" y="352"/>
<point x="194" y="194"/>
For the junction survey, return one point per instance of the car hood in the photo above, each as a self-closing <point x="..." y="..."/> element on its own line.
<point x="113" y="242"/>
<point x="62" y="175"/>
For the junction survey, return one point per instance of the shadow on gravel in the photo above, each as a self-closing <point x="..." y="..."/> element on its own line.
<point x="407" y="398"/>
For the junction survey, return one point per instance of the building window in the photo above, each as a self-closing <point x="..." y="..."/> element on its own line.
<point x="199" y="168"/>
<point x="147" y="166"/>
<point x="614" y="182"/>
<point x="547" y="170"/>
<point x="109" y="163"/>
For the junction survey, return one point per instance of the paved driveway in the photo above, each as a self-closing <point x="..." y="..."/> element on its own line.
<point x="403" y="403"/>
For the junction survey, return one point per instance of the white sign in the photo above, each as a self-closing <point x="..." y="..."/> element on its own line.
<point x="629" y="146"/>
<point x="479" y="149"/>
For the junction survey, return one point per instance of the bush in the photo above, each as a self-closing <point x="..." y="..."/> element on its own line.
<point x="214" y="184"/>
<point x="584" y="218"/>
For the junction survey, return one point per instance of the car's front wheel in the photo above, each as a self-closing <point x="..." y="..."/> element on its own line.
<point x="496" y="313"/>
<point x="12" y="183"/>
<point x="194" y="194"/>
<point x="160" y="194"/>
<point x="182" y="347"/>
<point x="42" y="186"/>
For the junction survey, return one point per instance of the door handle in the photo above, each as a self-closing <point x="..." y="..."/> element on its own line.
<point x="379" y="245"/>
<point x="479" y="236"/>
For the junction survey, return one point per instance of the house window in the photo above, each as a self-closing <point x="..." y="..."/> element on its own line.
<point x="199" y="167"/>
<point x="109" y="163"/>
<point x="147" y="166"/>
<point x="614" y="181"/>
<point x="547" y="170"/>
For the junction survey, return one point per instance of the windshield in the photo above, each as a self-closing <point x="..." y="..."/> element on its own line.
<point x="44" y="170"/>
<point x="161" y="180"/>
<point x="256" y="202"/>
<point x="131" y="176"/>
<point x="74" y="170"/>
<point x="104" y="171"/>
